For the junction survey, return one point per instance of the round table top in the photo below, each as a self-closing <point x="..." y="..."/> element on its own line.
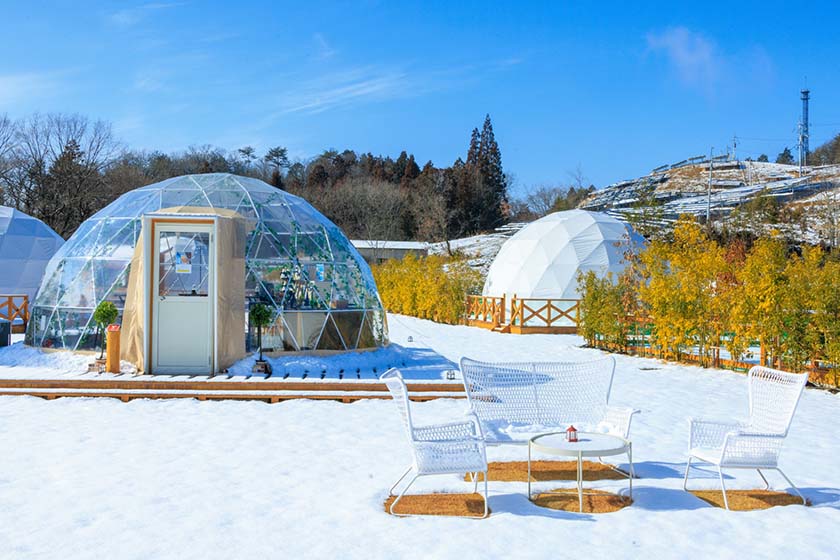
<point x="588" y="445"/>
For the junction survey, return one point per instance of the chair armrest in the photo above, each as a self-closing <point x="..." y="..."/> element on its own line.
<point x="619" y="417"/>
<point x="452" y="431"/>
<point x="710" y="433"/>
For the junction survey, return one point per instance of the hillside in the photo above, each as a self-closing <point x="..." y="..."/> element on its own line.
<point x="682" y="188"/>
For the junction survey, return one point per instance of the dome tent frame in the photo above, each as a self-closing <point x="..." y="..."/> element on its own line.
<point x="297" y="261"/>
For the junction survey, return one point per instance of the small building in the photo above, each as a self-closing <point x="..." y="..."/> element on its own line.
<point x="377" y="251"/>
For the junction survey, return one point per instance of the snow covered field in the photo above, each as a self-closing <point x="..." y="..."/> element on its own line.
<point x="98" y="478"/>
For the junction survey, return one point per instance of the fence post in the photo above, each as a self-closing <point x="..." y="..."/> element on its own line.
<point x="502" y="311"/>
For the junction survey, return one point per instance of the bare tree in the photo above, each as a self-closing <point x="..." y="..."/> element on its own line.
<point x="55" y="166"/>
<point x="541" y="200"/>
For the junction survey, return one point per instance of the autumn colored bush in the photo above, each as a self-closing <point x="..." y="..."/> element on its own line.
<point x="432" y="287"/>
<point x="699" y="296"/>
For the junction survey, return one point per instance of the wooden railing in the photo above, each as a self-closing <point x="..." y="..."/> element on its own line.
<point x="523" y="315"/>
<point x="13" y="307"/>
<point x="486" y="309"/>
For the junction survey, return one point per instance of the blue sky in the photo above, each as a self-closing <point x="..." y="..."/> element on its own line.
<point x="615" y="88"/>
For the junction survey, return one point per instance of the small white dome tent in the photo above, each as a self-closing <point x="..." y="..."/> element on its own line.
<point x="26" y="246"/>
<point x="543" y="259"/>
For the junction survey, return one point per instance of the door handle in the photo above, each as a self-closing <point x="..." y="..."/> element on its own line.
<point x="162" y="298"/>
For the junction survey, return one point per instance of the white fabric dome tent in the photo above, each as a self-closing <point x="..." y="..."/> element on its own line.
<point x="543" y="259"/>
<point x="26" y="246"/>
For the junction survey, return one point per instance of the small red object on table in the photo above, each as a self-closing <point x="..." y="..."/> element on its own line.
<point x="571" y="434"/>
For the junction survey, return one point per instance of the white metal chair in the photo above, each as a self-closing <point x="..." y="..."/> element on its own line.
<point x="511" y="398"/>
<point x="453" y="448"/>
<point x="756" y="443"/>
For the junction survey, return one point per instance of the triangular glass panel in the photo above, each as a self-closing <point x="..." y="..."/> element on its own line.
<point x="330" y="338"/>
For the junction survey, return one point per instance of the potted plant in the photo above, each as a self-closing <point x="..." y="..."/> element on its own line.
<point x="261" y="316"/>
<point x="104" y="314"/>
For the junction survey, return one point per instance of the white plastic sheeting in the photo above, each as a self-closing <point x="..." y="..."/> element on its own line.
<point x="543" y="259"/>
<point x="26" y="246"/>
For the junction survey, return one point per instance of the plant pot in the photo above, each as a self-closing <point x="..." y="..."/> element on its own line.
<point x="98" y="366"/>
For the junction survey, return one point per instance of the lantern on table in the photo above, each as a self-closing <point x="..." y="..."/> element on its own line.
<point x="571" y="434"/>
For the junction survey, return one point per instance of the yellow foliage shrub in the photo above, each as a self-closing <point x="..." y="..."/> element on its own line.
<point x="432" y="287"/>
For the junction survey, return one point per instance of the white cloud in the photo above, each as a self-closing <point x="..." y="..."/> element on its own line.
<point x="345" y="88"/>
<point x="323" y="48"/>
<point x="695" y="58"/>
<point x="129" y="17"/>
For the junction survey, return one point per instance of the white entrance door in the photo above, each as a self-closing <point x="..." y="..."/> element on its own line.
<point x="182" y="298"/>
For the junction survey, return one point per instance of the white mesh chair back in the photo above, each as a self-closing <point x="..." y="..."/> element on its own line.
<point x="538" y="393"/>
<point x="774" y="396"/>
<point x="396" y="386"/>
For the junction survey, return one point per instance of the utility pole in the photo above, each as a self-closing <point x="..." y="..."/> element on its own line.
<point x="804" y="133"/>
<point x="709" y="196"/>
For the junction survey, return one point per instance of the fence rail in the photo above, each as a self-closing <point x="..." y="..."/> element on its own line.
<point x="523" y="315"/>
<point x="638" y="343"/>
<point x="15" y="308"/>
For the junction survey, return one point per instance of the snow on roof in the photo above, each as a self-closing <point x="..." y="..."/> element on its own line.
<point x="383" y="244"/>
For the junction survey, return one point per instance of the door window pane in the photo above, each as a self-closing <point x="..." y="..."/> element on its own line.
<point x="183" y="263"/>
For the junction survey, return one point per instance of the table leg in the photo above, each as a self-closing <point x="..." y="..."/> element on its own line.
<point x="630" y="478"/>
<point x="580" y="481"/>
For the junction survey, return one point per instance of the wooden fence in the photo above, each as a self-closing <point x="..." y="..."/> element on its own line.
<point x="820" y="372"/>
<point x="523" y="315"/>
<point x="14" y="307"/>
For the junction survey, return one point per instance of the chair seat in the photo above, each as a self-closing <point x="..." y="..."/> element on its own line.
<point x="756" y="458"/>
<point x="708" y="454"/>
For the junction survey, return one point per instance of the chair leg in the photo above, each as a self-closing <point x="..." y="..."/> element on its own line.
<point x="391" y="491"/>
<point x="764" y="478"/>
<point x="486" y="508"/>
<point x="795" y="489"/>
<point x="723" y="488"/>
<point x="394" y="503"/>
<point x="685" y="480"/>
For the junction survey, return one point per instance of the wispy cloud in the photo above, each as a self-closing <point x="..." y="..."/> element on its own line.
<point x="344" y="88"/>
<point x="700" y="63"/>
<point x="695" y="59"/>
<point x="129" y="17"/>
<point x="323" y="50"/>
<point x="17" y="88"/>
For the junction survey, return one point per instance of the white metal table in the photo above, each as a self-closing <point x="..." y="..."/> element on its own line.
<point x="588" y="445"/>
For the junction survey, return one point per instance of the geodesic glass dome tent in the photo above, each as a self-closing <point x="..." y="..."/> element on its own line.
<point x="297" y="262"/>
<point x="543" y="259"/>
<point x="26" y="246"/>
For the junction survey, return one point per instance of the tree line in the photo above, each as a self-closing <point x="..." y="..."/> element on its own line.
<point x="63" y="168"/>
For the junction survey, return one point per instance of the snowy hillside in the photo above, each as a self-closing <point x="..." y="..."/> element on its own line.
<point x="98" y="478"/>
<point x="480" y="249"/>
<point x="683" y="188"/>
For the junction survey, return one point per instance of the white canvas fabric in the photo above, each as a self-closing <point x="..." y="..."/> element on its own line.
<point x="543" y="259"/>
<point x="26" y="246"/>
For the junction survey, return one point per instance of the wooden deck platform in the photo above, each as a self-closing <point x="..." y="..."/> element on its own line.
<point x="266" y="391"/>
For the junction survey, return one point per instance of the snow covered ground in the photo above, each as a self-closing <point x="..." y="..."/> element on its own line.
<point x="98" y="478"/>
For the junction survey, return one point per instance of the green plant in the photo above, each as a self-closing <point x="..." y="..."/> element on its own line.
<point x="105" y="314"/>
<point x="261" y="316"/>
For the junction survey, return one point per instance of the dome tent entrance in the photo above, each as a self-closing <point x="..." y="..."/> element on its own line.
<point x="544" y="258"/>
<point x="296" y="261"/>
<point x="187" y="318"/>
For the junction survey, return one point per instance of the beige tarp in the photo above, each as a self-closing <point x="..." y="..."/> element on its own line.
<point x="231" y="234"/>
